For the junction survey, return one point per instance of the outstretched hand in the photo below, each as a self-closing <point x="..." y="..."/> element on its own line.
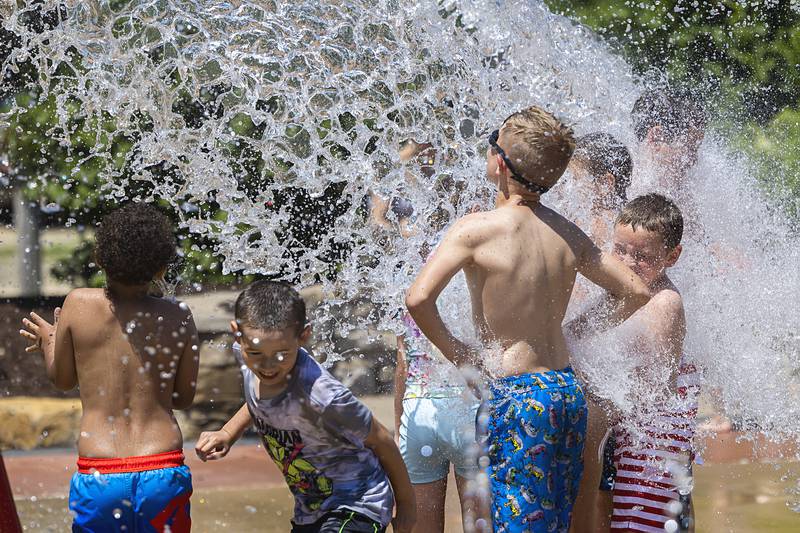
<point x="212" y="445"/>
<point x="39" y="332"/>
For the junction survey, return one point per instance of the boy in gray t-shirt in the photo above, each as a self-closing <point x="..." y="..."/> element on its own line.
<point x="342" y="466"/>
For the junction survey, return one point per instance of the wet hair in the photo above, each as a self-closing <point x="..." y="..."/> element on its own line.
<point x="674" y="111"/>
<point x="655" y="213"/>
<point x="269" y="306"/>
<point x="602" y="154"/>
<point x="541" y="143"/>
<point x="134" y="243"/>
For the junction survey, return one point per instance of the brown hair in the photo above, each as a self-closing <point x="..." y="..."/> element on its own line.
<point x="135" y="242"/>
<point x="271" y="305"/>
<point x="656" y="213"/>
<point x="675" y="112"/>
<point x="542" y="144"/>
<point x="603" y="154"/>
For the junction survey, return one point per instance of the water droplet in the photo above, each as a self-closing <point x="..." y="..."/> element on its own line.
<point x="117" y="513"/>
<point x="426" y="451"/>
<point x="250" y="509"/>
<point x="670" y="526"/>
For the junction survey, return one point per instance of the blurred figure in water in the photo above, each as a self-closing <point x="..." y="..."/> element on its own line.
<point x="602" y="166"/>
<point x="434" y="410"/>
<point x="671" y="128"/>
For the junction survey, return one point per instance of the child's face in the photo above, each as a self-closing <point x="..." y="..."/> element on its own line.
<point x="596" y="189"/>
<point x="676" y="155"/>
<point x="643" y="251"/>
<point x="271" y="354"/>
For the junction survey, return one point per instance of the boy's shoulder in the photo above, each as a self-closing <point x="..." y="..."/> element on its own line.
<point x="322" y="387"/>
<point x="666" y="300"/>
<point x="85" y="294"/>
<point x="318" y="385"/>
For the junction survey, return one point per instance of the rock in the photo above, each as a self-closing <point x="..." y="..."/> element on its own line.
<point x="38" y="422"/>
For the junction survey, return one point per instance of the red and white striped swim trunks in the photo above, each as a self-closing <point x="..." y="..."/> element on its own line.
<point x="651" y="459"/>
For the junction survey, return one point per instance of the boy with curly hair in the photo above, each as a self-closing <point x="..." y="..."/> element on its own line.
<point x="135" y="359"/>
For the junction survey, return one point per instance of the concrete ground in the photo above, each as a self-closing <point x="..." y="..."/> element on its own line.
<point x="245" y="492"/>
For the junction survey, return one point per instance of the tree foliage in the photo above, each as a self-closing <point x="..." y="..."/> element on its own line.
<point x="749" y="51"/>
<point x="744" y="56"/>
<point x="52" y="147"/>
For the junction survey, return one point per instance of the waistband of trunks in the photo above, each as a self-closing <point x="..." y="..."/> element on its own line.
<point x="89" y="465"/>
<point x="534" y="381"/>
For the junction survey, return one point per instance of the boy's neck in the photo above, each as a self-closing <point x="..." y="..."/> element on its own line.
<point x="515" y="198"/>
<point x="660" y="282"/>
<point x="127" y="292"/>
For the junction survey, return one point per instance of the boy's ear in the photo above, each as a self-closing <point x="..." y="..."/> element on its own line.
<point x="305" y="335"/>
<point x="654" y="135"/>
<point x="674" y="255"/>
<point x="609" y="180"/>
<point x="234" y="328"/>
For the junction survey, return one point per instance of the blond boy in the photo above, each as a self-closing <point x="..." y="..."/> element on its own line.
<point x="520" y="262"/>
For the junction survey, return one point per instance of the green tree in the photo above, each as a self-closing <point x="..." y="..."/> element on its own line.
<point x="65" y="157"/>
<point x="743" y="56"/>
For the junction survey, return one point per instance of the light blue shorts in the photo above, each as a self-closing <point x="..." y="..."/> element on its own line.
<point x="437" y="432"/>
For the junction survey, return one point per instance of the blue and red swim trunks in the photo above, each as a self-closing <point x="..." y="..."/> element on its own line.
<point x="536" y="432"/>
<point x="148" y="494"/>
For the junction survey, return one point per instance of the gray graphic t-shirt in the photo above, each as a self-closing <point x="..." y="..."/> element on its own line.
<point x="314" y="432"/>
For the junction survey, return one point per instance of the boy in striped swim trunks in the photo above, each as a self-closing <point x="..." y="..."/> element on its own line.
<point x="649" y="452"/>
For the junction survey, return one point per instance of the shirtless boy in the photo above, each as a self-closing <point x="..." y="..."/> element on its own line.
<point x="520" y="261"/>
<point x="653" y="448"/>
<point x="135" y="359"/>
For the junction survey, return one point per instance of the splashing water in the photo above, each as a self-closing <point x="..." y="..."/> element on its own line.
<point x="319" y="96"/>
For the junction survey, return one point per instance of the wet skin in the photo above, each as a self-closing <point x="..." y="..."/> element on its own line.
<point x="520" y="261"/>
<point x="135" y="359"/>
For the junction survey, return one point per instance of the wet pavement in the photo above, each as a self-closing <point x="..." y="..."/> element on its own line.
<point x="736" y="490"/>
<point x="729" y="498"/>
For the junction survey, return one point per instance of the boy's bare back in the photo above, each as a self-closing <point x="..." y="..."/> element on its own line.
<point x="520" y="280"/>
<point x="520" y="262"/>
<point x="135" y="361"/>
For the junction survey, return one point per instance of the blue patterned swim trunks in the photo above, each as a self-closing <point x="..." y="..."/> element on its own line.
<point x="536" y="431"/>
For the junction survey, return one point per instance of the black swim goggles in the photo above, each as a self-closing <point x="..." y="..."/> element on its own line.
<point x="533" y="187"/>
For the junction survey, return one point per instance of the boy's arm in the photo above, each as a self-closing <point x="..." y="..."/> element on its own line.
<point x="453" y="254"/>
<point x="400" y="373"/>
<point x="380" y="442"/>
<point x="212" y="445"/>
<point x="236" y="426"/>
<point x="188" y="366"/>
<point x="627" y="292"/>
<point x="55" y="342"/>
<point x="665" y="323"/>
